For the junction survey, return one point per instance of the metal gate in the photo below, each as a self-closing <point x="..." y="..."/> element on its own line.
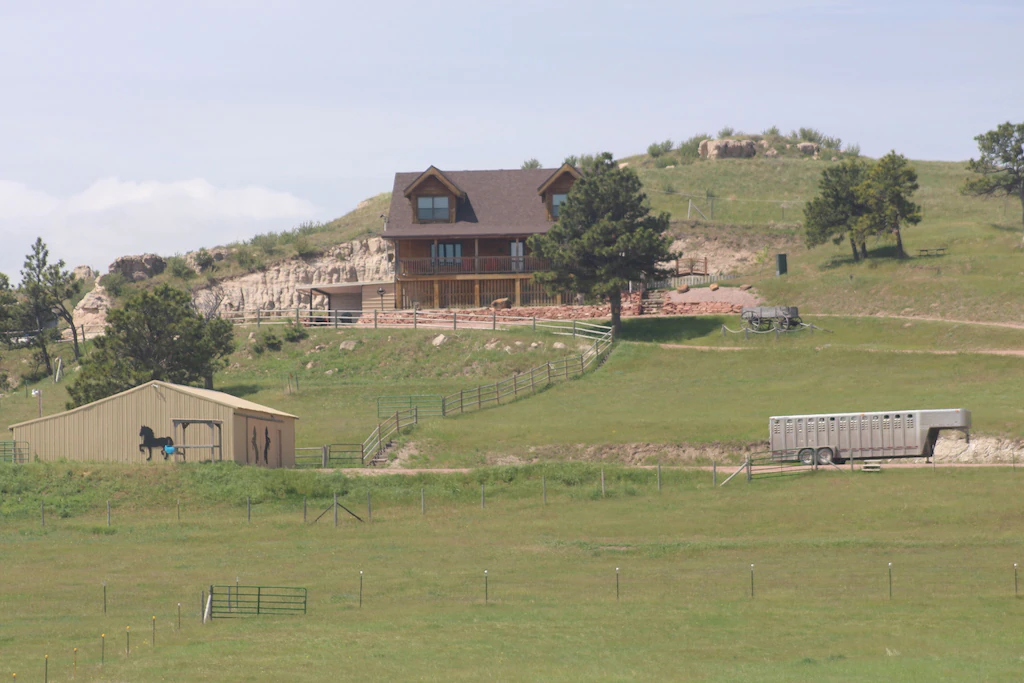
<point x="250" y="601"/>
<point x="426" y="405"/>
<point x="14" y="451"/>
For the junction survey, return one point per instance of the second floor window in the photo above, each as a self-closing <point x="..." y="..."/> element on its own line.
<point x="556" y="203"/>
<point x="432" y="208"/>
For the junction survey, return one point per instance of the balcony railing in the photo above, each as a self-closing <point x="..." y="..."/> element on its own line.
<point x="463" y="265"/>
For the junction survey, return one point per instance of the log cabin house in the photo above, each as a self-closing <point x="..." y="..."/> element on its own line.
<point x="460" y="236"/>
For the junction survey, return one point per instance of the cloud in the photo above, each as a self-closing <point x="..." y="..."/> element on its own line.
<point x="113" y="217"/>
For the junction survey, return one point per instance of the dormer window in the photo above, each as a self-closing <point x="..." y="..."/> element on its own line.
<point x="432" y="208"/>
<point x="556" y="203"/>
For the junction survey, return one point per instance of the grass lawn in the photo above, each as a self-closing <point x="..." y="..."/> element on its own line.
<point x="647" y="394"/>
<point x="820" y="544"/>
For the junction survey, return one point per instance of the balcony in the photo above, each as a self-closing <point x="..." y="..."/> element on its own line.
<point x="469" y="265"/>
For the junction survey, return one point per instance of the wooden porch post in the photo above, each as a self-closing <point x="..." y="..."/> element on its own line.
<point x="437" y="295"/>
<point x="476" y="293"/>
<point x="476" y="259"/>
<point x="519" y="281"/>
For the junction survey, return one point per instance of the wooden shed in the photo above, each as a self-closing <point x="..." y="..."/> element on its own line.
<point x="159" y="419"/>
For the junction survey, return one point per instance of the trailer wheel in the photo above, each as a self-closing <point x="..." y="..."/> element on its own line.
<point x="824" y="456"/>
<point x="806" y="456"/>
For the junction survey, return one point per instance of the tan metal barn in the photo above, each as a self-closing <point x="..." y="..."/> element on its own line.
<point x="158" y="419"/>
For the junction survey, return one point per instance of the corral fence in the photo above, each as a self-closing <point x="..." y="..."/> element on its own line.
<point x="250" y="601"/>
<point x="510" y="388"/>
<point x="768" y="465"/>
<point x="381" y="437"/>
<point x="451" y="319"/>
<point x="14" y="451"/>
<point x="331" y="455"/>
<point x="426" y="405"/>
<point x="680" y="280"/>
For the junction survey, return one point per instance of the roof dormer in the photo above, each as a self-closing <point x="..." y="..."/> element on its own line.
<point x="434" y="197"/>
<point x="555" y="189"/>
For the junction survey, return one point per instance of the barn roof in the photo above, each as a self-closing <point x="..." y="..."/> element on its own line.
<point x="207" y="394"/>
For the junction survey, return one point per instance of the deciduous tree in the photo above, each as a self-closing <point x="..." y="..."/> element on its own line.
<point x="1000" y="168"/>
<point x="605" y="236"/>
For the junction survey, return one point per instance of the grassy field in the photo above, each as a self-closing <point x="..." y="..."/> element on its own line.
<point x="821" y="609"/>
<point x="648" y="394"/>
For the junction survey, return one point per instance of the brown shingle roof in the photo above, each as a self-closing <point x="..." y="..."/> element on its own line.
<point x="497" y="203"/>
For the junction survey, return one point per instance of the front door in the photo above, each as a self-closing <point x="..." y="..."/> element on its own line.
<point x="518" y="259"/>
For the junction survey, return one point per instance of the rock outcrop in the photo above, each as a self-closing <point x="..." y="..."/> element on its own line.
<point x="275" y="287"/>
<point x="140" y="267"/>
<point x="809" y="148"/>
<point x="91" y="311"/>
<point x="84" y="273"/>
<point x="727" y="149"/>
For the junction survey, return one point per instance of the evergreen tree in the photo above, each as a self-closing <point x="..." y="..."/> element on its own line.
<point x="605" y="236"/>
<point x="1001" y="164"/>
<point x="155" y="335"/>
<point x="833" y="214"/>
<point x="885" y="194"/>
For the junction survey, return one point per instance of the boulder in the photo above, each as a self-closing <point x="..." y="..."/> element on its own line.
<point x="808" y="148"/>
<point x="91" y="311"/>
<point x="558" y="345"/>
<point x="502" y="303"/>
<point x="745" y="287"/>
<point x="728" y="149"/>
<point x="140" y="267"/>
<point x="84" y="273"/>
<point x="348" y="345"/>
<point x="772" y="153"/>
<point x="683" y="289"/>
<point x="439" y="340"/>
<point x="492" y="344"/>
<point x="713" y="286"/>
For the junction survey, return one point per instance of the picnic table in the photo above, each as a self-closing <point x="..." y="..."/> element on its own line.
<point x="937" y="251"/>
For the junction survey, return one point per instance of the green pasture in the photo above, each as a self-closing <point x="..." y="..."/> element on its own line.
<point x="820" y="543"/>
<point x="648" y="394"/>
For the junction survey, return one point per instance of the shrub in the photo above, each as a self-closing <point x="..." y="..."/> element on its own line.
<point x="114" y="283"/>
<point x="572" y="160"/>
<point x="662" y="162"/>
<point x="530" y="163"/>
<point x="771" y="132"/>
<point x="304" y="248"/>
<point x="657" y="149"/>
<point x="668" y="188"/>
<point x="853" y="150"/>
<point x="294" y="333"/>
<point x="829" y="142"/>
<point x="267" y="243"/>
<point x="204" y="260"/>
<point x="691" y="146"/>
<point x="726" y="132"/>
<point x="180" y="269"/>
<point x="271" y="341"/>
<point x="810" y="135"/>
<point x="248" y="259"/>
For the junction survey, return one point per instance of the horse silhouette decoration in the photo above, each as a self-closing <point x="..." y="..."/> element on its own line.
<point x="149" y="442"/>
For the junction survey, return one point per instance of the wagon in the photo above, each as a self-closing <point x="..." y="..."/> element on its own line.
<point x="765" y="318"/>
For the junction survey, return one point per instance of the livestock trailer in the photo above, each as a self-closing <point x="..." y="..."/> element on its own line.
<point x="838" y="437"/>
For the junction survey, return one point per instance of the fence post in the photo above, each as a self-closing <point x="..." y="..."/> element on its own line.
<point x="455" y="320"/>
<point x="296" y="315"/>
<point x="479" y="405"/>
<point x="257" y="318"/>
<point x="323" y="456"/>
<point x="544" y="488"/>
<point x="748" y="468"/>
<point x="444" y="407"/>
<point x="414" y="318"/>
<point x="335" y="509"/>
<point x="494" y="319"/>
<point x="574" y="328"/>
<point x="415" y="415"/>
<point x="461" y="402"/>
<point x="369" y="507"/>
<point x="375" y="318"/>
<point x="534" y="324"/>
<point x="659" y="477"/>
<point x="515" y="386"/>
<point x="548" y="364"/>
<point x="258" y="588"/>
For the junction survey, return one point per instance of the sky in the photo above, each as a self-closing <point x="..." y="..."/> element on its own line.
<point x="131" y="127"/>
